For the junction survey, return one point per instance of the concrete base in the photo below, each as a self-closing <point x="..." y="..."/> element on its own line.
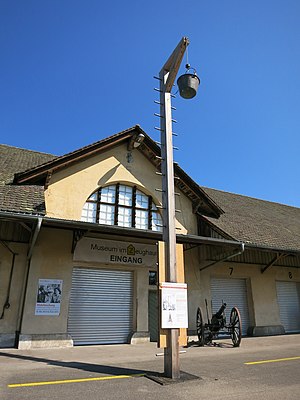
<point x="7" y="340"/>
<point x="163" y="380"/>
<point x="139" y="337"/>
<point x="270" y="330"/>
<point x="44" y="341"/>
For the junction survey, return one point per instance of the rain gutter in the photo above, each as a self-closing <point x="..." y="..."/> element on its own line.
<point x="6" y="304"/>
<point x="228" y="257"/>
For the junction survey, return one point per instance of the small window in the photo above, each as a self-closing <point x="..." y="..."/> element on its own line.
<point x="152" y="278"/>
<point x="125" y="195"/>
<point x="106" y="214"/>
<point x="141" y="200"/>
<point x="108" y="194"/>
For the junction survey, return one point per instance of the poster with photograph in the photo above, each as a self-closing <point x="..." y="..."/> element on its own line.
<point x="48" y="297"/>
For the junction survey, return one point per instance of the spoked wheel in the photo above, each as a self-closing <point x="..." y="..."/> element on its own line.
<point x="200" y="327"/>
<point x="235" y="327"/>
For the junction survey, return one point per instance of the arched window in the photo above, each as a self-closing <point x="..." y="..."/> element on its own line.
<point x="123" y="206"/>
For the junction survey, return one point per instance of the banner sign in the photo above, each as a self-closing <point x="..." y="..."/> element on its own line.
<point x="48" y="297"/>
<point x="114" y="252"/>
<point x="174" y="310"/>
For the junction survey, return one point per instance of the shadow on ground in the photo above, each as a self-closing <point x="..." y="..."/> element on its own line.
<point x="97" y="368"/>
<point x="222" y="345"/>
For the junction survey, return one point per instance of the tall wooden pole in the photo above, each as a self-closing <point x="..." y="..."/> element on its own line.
<point x="167" y="77"/>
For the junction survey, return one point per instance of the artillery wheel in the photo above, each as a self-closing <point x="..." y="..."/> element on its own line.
<point x="235" y="327"/>
<point x="200" y="327"/>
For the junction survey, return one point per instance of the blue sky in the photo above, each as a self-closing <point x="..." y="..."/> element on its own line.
<point x="75" y="71"/>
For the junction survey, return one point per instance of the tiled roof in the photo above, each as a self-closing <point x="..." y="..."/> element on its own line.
<point x="258" y="222"/>
<point x="37" y="175"/>
<point x="61" y="161"/>
<point x="246" y="219"/>
<point x="23" y="198"/>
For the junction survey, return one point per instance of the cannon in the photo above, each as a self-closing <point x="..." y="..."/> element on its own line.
<point x="210" y="330"/>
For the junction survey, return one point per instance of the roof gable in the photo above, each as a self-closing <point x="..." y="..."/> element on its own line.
<point x="38" y="174"/>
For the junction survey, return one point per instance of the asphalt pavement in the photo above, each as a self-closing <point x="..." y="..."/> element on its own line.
<point x="261" y="368"/>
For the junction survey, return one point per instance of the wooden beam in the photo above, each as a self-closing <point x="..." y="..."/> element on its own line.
<point x="273" y="261"/>
<point x="172" y="65"/>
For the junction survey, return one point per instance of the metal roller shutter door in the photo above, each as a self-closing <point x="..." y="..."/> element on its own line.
<point x="288" y="295"/>
<point x="100" y="310"/>
<point x="233" y="292"/>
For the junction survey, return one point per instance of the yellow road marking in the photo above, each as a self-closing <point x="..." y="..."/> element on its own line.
<point x="271" y="361"/>
<point x="102" y="378"/>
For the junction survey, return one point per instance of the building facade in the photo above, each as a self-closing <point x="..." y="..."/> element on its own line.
<point x="80" y="248"/>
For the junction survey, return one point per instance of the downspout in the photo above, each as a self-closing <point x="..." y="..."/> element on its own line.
<point x="226" y="258"/>
<point x="25" y="285"/>
<point x="6" y="305"/>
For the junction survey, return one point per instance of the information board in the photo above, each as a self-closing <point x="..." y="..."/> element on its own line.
<point x="174" y="310"/>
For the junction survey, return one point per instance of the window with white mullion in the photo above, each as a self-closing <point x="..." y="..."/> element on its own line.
<point x="141" y="200"/>
<point x="156" y="221"/>
<point x="89" y="212"/>
<point x="141" y="219"/>
<point x="124" y="216"/>
<point x="108" y="194"/>
<point x="123" y="206"/>
<point x="125" y="195"/>
<point x="107" y="214"/>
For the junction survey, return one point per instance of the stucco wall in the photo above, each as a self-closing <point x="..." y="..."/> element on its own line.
<point x="9" y="322"/>
<point x="52" y="259"/>
<point x="261" y="288"/>
<point x="69" y="188"/>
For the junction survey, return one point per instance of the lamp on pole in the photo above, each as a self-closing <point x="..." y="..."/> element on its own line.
<point x="167" y="77"/>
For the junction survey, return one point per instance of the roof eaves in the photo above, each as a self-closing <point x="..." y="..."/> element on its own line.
<point x="38" y="174"/>
<point x="261" y="247"/>
<point x="219" y="230"/>
<point x="194" y="186"/>
<point x="188" y="181"/>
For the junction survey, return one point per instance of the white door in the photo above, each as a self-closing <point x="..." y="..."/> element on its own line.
<point x="233" y="292"/>
<point x="288" y="296"/>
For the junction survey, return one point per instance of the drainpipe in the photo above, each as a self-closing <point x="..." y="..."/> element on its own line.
<point x="7" y="303"/>
<point x="240" y="251"/>
<point x="25" y="285"/>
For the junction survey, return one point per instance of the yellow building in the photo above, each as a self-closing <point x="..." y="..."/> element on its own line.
<point x="79" y="253"/>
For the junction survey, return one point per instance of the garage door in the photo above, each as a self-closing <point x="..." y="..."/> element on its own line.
<point x="233" y="292"/>
<point x="288" y="295"/>
<point x="100" y="310"/>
